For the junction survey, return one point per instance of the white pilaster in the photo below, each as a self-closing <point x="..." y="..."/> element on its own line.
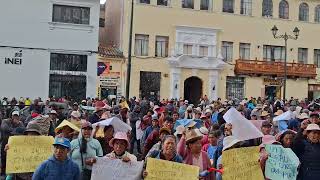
<point x="213" y="84"/>
<point x="175" y="82"/>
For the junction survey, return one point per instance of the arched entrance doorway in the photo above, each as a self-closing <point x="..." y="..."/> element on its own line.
<point x="193" y="90"/>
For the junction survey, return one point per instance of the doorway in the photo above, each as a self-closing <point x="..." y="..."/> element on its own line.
<point x="272" y="92"/>
<point x="193" y="90"/>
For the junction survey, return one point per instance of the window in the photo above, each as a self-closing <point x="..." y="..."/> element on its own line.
<point x="283" y="9"/>
<point x="228" y="6"/>
<point x="145" y="1"/>
<point x="317" y="14"/>
<point x="303" y="55"/>
<point x="317" y="57"/>
<point x="162" y="2"/>
<point x="204" y="4"/>
<point x="244" y="51"/>
<point x="235" y="87"/>
<point x="303" y="12"/>
<point x="68" y="62"/>
<point x="101" y="22"/>
<point x="141" y="45"/>
<point x="162" y="46"/>
<point x="203" y="51"/>
<point x="273" y="53"/>
<point x="246" y="7"/>
<point x="227" y="50"/>
<point x="187" y="4"/>
<point x="71" y="14"/>
<point x="187" y="49"/>
<point x="267" y="8"/>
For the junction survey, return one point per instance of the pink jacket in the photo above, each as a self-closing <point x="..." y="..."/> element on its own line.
<point x="186" y="155"/>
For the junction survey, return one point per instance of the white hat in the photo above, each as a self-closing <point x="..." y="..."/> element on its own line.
<point x="15" y="113"/>
<point x="76" y="114"/>
<point x="179" y="130"/>
<point x="313" y="127"/>
<point x="189" y="108"/>
<point x="208" y="111"/>
<point x="229" y="141"/>
<point x="186" y="101"/>
<point x="53" y="112"/>
<point x="204" y="131"/>
<point x="303" y="116"/>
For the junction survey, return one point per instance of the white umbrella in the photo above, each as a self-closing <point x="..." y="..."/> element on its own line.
<point x="117" y="124"/>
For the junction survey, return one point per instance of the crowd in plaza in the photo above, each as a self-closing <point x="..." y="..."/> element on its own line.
<point x="171" y="130"/>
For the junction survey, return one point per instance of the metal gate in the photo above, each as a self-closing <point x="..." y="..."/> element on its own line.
<point x="150" y="85"/>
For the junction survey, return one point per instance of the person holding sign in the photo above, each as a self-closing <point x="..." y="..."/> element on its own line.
<point x="189" y="148"/>
<point x="59" y="166"/>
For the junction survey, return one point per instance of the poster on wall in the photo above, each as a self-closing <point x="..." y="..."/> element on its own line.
<point x="103" y="68"/>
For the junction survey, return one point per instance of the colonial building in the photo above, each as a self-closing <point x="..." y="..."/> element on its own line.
<point x="49" y="48"/>
<point x="218" y="48"/>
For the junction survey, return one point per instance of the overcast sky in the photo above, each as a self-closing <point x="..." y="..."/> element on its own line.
<point x="102" y="1"/>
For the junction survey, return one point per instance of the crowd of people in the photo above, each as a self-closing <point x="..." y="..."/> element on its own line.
<point x="172" y="130"/>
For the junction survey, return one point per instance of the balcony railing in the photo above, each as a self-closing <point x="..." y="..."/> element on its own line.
<point x="270" y="68"/>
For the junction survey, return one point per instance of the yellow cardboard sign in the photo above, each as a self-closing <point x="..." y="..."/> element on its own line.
<point x="241" y="164"/>
<point x="26" y="153"/>
<point x="166" y="170"/>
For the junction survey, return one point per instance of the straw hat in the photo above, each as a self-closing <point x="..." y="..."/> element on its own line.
<point x="229" y="141"/>
<point x="179" y="130"/>
<point x="67" y="123"/>
<point x="264" y="113"/>
<point x="313" y="127"/>
<point x="192" y="135"/>
<point x="303" y="116"/>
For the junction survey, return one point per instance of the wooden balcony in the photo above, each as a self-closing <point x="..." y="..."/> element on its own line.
<point x="270" y="68"/>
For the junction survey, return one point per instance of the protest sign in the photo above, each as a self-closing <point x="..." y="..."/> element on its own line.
<point x="166" y="170"/>
<point x="241" y="164"/>
<point x="282" y="163"/>
<point x="257" y="123"/>
<point x="242" y="128"/>
<point x="116" y="169"/>
<point x="26" y="153"/>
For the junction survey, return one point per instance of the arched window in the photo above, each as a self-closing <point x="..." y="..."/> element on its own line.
<point x="317" y="14"/>
<point x="284" y="9"/>
<point x="303" y="12"/>
<point x="267" y="8"/>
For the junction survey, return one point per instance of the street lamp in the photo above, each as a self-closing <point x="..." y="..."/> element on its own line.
<point x="285" y="36"/>
<point x="129" y="53"/>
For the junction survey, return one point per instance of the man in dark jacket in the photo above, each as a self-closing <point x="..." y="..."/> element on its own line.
<point x="134" y="116"/>
<point x="7" y="127"/>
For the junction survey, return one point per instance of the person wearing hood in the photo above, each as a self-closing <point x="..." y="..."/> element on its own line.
<point x="134" y="116"/>
<point x="59" y="166"/>
<point x="85" y="150"/>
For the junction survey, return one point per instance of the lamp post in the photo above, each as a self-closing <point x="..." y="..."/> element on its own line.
<point x="129" y="53"/>
<point x="285" y="36"/>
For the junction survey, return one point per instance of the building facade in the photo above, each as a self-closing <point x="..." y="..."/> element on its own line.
<point x="49" y="48"/>
<point x="219" y="48"/>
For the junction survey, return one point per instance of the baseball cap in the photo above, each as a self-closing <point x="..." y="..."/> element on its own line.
<point x="62" y="142"/>
<point x="15" y="113"/>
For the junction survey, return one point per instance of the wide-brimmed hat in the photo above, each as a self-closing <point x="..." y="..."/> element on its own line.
<point x="229" y="141"/>
<point x="266" y="123"/>
<point x="204" y="131"/>
<point x="53" y="112"/>
<point x="279" y="112"/>
<point x="33" y="128"/>
<point x="165" y="130"/>
<point x="179" y="130"/>
<point x="119" y="136"/>
<point x="313" y="127"/>
<point x="67" y="123"/>
<point x="303" y="116"/>
<point x="264" y="113"/>
<point x="192" y="135"/>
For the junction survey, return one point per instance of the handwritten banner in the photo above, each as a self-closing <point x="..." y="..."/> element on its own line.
<point x="166" y="170"/>
<point x="282" y="163"/>
<point x="115" y="169"/>
<point x="241" y="164"/>
<point x="26" y="153"/>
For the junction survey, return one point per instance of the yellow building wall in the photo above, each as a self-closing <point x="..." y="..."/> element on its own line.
<point x="156" y="20"/>
<point x="297" y="88"/>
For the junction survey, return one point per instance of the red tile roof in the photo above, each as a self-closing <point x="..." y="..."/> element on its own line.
<point x="112" y="52"/>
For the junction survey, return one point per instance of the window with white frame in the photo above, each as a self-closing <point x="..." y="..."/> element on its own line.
<point x="144" y="1"/>
<point x="162" y="2"/>
<point x="267" y="8"/>
<point x="246" y="7"/>
<point x="303" y="12"/>
<point x="284" y="9"/>
<point x="71" y="14"/>
<point x="204" y="4"/>
<point x="227" y="51"/>
<point x="162" y="46"/>
<point x="203" y="51"/>
<point x="303" y="55"/>
<point x="187" y="49"/>
<point x="316" y="57"/>
<point x="317" y="14"/>
<point x="188" y="4"/>
<point x="141" y="44"/>
<point x="228" y="6"/>
<point x="273" y="53"/>
<point x="244" y="51"/>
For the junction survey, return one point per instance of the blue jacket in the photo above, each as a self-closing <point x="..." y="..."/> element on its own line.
<point x="52" y="169"/>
